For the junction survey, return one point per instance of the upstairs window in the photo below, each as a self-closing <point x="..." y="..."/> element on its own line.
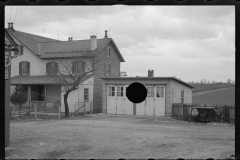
<point x="24" y="68"/>
<point x="182" y="96"/>
<point x="108" y="52"/>
<point x="52" y="68"/>
<point x="107" y="69"/>
<point x="20" y="50"/>
<point x="78" y="67"/>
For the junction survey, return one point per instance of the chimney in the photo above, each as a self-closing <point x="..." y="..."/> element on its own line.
<point x="93" y="42"/>
<point x="10" y="25"/>
<point x="150" y="73"/>
<point x="106" y="36"/>
<point x="69" y="38"/>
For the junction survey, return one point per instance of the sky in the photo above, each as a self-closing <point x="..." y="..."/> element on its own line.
<point x="189" y="42"/>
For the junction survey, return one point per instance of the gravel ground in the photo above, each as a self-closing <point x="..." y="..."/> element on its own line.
<point x="114" y="136"/>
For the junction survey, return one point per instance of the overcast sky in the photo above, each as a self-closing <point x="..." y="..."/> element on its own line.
<point x="189" y="42"/>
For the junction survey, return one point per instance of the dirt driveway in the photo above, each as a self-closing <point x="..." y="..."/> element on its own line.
<point x="111" y="136"/>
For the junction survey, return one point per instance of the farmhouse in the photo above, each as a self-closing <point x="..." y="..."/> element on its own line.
<point x="162" y="92"/>
<point x="37" y="68"/>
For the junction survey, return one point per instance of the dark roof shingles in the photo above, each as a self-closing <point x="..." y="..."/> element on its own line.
<point x="69" y="48"/>
<point x="30" y="40"/>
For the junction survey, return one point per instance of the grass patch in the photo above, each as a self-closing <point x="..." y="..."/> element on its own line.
<point x="219" y="97"/>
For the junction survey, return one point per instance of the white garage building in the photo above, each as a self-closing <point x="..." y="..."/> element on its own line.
<point x="162" y="92"/>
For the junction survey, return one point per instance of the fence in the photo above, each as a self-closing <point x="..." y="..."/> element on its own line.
<point x="38" y="107"/>
<point x="183" y="111"/>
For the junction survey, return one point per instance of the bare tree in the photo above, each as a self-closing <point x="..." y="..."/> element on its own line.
<point x="71" y="77"/>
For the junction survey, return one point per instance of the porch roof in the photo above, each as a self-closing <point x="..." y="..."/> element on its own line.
<point x="43" y="80"/>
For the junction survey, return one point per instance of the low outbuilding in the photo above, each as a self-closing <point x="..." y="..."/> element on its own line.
<point x="162" y="92"/>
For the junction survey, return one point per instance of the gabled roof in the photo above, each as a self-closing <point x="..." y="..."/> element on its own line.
<point x="58" y="49"/>
<point x="43" y="80"/>
<point x="144" y="78"/>
<point x="51" y="48"/>
<point x="29" y="40"/>
<point x="9" y="39"/>
<point x="69" y="48"/>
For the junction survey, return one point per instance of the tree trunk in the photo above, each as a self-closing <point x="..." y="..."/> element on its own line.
<point x="66" y="104"/>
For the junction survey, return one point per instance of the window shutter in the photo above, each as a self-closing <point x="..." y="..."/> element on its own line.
<point x="47" y="68"/>
<point x="109" y="52"/>
<point x="109" y="69"/>
<point x="20" y="68"/>
<point x="106" y="51"/>
<point x="56" y="68"/>
<point x="83" y="66"/>
<point x="73" y="67"/>
<point x="28" y="68"/>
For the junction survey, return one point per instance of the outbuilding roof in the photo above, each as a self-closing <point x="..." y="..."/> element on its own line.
<point x="43" y="80"/>
<point x="146" y="78"/>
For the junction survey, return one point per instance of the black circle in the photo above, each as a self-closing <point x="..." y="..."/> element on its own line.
<point x="136" y="92"/>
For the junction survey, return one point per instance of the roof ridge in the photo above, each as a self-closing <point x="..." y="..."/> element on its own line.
<point x="30" y="34"/>
<point x="74" y="40"/>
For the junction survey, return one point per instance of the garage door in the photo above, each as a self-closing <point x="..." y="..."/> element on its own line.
<point x="118" y="103"/>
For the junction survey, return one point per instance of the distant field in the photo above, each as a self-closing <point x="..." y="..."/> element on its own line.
<point x="205" y="87"/>
<point x="220" y="97"/>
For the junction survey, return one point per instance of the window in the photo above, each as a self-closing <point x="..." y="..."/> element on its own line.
<point x="150" y="91"/>
<point x="107" y="70"/>
<point x="86" y="94"/>
<point x="120" y="91"/>
<point x="78" y="67"/>
<point x="24" y="68"/>
<point x="52" y="68"/>
<point x="160" y="92"/>
<point x="20" y="50"/>
<point x="108" y="52"/>
<point x="182" y="96"/>
<point x="111" y="90"/>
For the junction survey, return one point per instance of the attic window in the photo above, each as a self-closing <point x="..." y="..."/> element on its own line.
<point x="108" y="52"/>
<point x="20" y="50"/>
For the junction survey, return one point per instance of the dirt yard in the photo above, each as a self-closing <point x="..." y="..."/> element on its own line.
<point x="111" y="136"/>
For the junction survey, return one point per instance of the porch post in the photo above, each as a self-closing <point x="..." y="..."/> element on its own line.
<point x="45" y="97"/>
<point x="29" y="96"/>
